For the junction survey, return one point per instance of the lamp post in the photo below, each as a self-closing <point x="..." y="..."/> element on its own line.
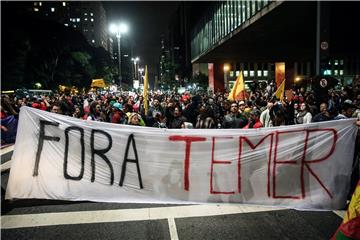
<point x="141" y="70"/>
<point x="118" y="29"/>
<point x="135" y="60"/>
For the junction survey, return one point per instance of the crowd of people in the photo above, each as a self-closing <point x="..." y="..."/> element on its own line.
<point x="186" y="110"/>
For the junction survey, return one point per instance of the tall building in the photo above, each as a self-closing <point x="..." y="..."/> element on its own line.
<point x="87" y="17"/>
<point x="310" y="38"/>
<point x="175" y="60"/>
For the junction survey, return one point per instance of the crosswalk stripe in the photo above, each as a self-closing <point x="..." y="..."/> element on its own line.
<point x="340" y="213"/>
<point x="5" y="166"/>
<point x="123" y="215"/>
<point x="6" y="149"/>
<point x="172" y="229"/>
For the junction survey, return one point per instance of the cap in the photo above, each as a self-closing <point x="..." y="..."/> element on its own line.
<point x="348" y="101"/>
<point x="118" y="106"/>
<point x="241" y="103"/>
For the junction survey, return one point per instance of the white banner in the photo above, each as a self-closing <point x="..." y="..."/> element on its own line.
<point x="302" y="166"/>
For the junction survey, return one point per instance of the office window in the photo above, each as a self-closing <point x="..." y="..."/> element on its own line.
<point x="92" y="19"/>
<point x="36" y="9"/>
<point x="91" y="14"/>
<point x="85" y="19"/>
<point x="259" y="73"/>
<point x="78" y="19"/>
<point x="65" y="24"/>
<point x="93" y="41"/>
<point x="251" y="73"/>
<point x="341" y="62"/>
<point x="335" y="72"/>
<point x="40" y="4"/>
<point x="336" y="62"/>
<point x="64" y="4"/>
<point x="52" y="9"/>
<point x="266" y="73"/>
<point x="245" y="73"/>
<point x="341" y="72"/>
<point x="231" y="73"/>
<point x="237" y="73"/>
<point x="35" y="3"/>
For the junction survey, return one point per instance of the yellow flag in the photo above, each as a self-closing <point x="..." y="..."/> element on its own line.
<point x="146" y="79"/>
<point x="238" y="90"/>
<point x="280" y="91"/>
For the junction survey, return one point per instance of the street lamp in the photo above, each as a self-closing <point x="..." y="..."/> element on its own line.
<point x="135" y="60"/>
<point x="118" y="29"/>
<point x="141" y="70"/>
<point x="226" y="70"/>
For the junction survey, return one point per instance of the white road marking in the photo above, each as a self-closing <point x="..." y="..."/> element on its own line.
<point x="340" y="213"/>
<point x="124" y="215"/>
<point x="172" y="229"/>
<point x="5" y="166"/>
<point x="7" y="149"/>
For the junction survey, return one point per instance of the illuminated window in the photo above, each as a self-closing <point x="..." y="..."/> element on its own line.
<point x="35" y="3"/>
<point x="74" y="26"/>
<point x="36" y="9"/>
<point x="40" y="4"/>
<point x="85" y="19"/>
<point x="266" y="73"/>
<point x="78" y="19"/>
<point x="53" y="9"/>
<point x="64" y="4"/>
<point x="231" y="73"/>
<point x="336" y="72"/>
<point x="245" y="73"/>
<point x="93" y="41"/>
<point x="66" y="24"/>
<point x="341" y="72"/>
<point x="341" y="62"/>
<point x="336" y="62"/>
<point x="327" y="72"/>
<point x="92" y="19"/>
<point x="251" y="73"/>
<point x="259" y="73"/>
<point x="85" y="14"/>
<point x="237" y="73"/>
<point x="91" y="14"/>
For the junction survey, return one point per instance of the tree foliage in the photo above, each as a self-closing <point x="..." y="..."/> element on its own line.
<point x="49" y="53"/>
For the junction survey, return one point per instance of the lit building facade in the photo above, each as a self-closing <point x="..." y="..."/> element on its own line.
<point x="311" y="38"/>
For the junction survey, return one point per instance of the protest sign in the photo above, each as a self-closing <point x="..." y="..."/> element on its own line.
<point x="301" y="166"/>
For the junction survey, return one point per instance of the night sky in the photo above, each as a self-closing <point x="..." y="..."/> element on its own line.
<point x="146" y="21"/>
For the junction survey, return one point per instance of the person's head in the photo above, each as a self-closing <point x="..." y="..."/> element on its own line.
<point x="348" y="109"/>
<point x="234" y="107"/>
<point x="156" y="102"/>
<point x="117" y="106"/>
<point x="303" y="107"/>
<point x="134" y="119"/>
<point x="242" y="106"/>
<point x="56" y="108"/>
<point x="77" y="110"/>
<point x="323" y="107"/>
<point x="177" y="111"/>
<point x="255" y="115"/>
<point x="269" y="105"/>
